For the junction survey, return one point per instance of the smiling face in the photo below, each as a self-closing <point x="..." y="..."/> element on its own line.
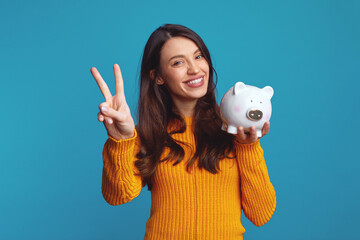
<point x="184" y="71"/>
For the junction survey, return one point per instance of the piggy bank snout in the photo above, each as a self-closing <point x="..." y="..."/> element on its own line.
<point x="254" y="114"/>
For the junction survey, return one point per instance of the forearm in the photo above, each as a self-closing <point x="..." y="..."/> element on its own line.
<point x="258" y="194"/>
<point x="120" y="184"/>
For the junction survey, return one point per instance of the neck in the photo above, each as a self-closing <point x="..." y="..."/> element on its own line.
<point x="186" y="108"/>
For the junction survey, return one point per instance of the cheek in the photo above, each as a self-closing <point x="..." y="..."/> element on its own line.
<point x="237" y="108"/>
<point x="205" y="67"/>
<point x="173" y="76"/>
<point x="267" y="116"/>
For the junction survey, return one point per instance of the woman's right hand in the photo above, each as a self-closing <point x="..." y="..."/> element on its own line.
<point x="114" y="112"/>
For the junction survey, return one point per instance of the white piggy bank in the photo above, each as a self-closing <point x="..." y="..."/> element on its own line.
<point x="246" y="106"/>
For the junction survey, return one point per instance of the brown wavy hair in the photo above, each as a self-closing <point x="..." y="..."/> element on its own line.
<point x="156" y="110"/>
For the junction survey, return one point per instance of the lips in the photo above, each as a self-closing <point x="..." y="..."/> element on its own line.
<point x="195" y="82"/>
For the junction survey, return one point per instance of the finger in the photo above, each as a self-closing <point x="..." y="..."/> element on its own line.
<point x="119" y="82"/>
<point x="265" y="130"/>
<point x="101" y="83"/>
<point x="109" y="120"/>
<point x="103" y="107"/>
<point x="253" y="135"/>
<point x="241" y="134"/>
<point x="111" y="113"/>
<point x="100" y="117"/>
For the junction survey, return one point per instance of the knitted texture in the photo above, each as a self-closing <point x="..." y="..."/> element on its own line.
<point x="195" y="205"/>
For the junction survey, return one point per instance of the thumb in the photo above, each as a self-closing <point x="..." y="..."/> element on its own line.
<point x="111" y="113"/>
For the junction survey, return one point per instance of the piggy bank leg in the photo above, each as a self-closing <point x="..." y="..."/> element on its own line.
<point x="259" y="133"/>
<point x="232" y="129"/>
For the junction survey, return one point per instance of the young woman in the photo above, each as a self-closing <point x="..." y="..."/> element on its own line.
<point x="200" y="177"/>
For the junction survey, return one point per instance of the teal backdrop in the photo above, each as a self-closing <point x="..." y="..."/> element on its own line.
<point x="51" y="142"/>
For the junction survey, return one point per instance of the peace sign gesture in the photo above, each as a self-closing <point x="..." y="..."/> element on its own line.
<point x="114" y="112"/>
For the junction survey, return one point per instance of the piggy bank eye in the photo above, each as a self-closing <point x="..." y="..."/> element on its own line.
<point x="251" y="100"/>
<point x="260" y="102"/>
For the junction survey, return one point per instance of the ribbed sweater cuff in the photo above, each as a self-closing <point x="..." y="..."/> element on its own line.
<point x="249" y="145"/>
<point x="123" y="145"/>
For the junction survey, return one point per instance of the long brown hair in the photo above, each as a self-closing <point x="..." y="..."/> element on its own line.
<point x="156" y="110"/>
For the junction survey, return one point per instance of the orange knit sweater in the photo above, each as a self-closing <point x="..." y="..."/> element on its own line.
<point x="195" y="205"/>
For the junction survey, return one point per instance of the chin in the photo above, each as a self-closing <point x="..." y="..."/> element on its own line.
<point x="200" y="95"/>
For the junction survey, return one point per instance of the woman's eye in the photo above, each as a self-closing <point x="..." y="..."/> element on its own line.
<point x="199" y="56"/>
<point x="177" y="63"/>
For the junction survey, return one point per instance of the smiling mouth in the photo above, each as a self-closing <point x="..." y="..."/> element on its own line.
<point x="195" y="81"/>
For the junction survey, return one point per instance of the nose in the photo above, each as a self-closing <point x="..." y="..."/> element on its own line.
<point x="193" y="68"/>
<point x="254" y="114"/>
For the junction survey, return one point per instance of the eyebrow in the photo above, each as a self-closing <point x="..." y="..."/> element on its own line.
<point x="180" y="56"/>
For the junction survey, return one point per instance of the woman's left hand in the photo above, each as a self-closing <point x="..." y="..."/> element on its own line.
<point x="251" y="137"/>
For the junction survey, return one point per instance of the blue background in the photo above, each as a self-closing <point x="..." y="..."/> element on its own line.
<point x="51" y="142"/>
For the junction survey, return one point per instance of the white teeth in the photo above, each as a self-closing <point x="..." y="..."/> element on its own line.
<point x="195" y="81"/>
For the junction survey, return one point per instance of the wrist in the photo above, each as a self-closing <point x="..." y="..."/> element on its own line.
<point x="120" y="137"/>
<point x="238" y="141"/>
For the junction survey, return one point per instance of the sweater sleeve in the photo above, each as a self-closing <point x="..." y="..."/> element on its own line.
<point x="120" y="184"/>
<point x="257" y="193"/>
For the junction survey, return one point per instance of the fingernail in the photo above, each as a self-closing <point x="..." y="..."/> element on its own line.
<point x="104" y="109"/>
<point x="110" y="121"/>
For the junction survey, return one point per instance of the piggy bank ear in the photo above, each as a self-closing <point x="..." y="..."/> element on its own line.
<point x="239" y="86"/>
<point x="269" y="91"/>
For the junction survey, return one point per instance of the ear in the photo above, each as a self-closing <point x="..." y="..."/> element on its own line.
<point x="158" y="79"/>
<point x="269" y="90"/>
<point x="239" y="86"/>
